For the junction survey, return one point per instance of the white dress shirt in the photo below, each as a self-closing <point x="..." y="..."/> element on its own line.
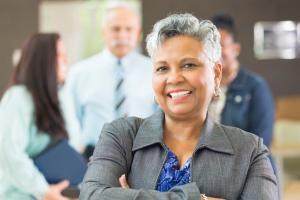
<point x="92" y="85"/>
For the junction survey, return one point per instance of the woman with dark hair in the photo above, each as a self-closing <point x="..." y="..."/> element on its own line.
<point x="34" y="112"/>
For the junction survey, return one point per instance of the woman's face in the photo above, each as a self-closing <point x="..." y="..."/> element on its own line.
<point x="62" y="62"/>
<point x="184" y="79"/>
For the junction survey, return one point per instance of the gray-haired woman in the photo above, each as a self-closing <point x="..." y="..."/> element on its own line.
<point x="179" y="153"/>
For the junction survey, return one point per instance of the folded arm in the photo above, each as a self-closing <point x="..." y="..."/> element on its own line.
<point x="112" y="158"/>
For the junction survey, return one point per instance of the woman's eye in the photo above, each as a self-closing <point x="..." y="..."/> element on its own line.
<point x="189" y="65"/>
<point x="161" y="69"/>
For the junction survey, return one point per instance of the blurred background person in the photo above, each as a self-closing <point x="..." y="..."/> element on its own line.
<point x="179" y="152"/>
<point x="34" y="112"/>
<point x="245" y="100"/>
<point x="117" y="81"/>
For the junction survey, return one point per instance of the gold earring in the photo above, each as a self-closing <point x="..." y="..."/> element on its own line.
<point x="217" y="91"/>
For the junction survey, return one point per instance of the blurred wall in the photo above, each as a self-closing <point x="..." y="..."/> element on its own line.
<point x="282" y="75"/>
<point x="18" y="19"/>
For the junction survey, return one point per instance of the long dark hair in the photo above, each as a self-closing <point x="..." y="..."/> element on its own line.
<point x="36" y="70"/>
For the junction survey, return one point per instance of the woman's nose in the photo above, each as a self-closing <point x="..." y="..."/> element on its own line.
<point x="175" y="77"/>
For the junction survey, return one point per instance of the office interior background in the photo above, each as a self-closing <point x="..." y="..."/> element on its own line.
<point x="78" y="21"/>
<point x="75" y="18"/>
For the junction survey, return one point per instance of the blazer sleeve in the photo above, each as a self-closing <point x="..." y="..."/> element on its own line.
<point x="16" y="165"/>
<point x="261" y="182"/>
<point x="112" y="158"/>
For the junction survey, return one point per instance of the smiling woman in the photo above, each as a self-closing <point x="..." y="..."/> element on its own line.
<point x="179" y="153"/>
<point x="184" y="78"/>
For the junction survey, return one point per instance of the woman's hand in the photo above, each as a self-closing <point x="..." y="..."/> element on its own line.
<point x="123" y="181"/>
<point x="54" y="191"/>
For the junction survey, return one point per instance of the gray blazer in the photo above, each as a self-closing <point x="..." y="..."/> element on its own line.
<point x="227" y="163"/>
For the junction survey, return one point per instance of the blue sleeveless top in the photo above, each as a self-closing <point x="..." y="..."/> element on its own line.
<point x="171" y="175"/>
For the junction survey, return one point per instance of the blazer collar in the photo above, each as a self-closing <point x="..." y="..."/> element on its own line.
<point x="213" y="136"/>
<point x="150" y="131"/>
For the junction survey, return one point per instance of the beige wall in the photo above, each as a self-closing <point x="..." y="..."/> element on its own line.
<point x="18" y="19"/>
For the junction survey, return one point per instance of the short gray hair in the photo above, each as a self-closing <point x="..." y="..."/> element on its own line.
<point x="186" y="24"/>
<point x="115" y="5"/>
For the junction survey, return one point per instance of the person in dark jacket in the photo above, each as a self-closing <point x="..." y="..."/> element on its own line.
<point x="245" y="99"/>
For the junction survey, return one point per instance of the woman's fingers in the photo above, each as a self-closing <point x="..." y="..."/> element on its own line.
<point x="54" y="191"/>
<point x="123" y="181"/>
<point x="62" y="185"/>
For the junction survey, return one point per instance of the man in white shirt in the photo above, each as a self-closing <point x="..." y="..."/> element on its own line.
<point x="117" y="81"/>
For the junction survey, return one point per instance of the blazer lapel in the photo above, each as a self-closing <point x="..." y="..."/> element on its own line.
<point x="214" y="137"/>
<point x="150" y="133"/>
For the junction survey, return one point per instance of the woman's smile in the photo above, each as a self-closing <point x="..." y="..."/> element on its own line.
<point x="178" y="96"/>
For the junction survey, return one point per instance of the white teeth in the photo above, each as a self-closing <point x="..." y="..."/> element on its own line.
<point x="179" y="94"/>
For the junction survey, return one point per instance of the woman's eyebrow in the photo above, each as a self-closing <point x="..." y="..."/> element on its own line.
<point x="189" y="59"/>
<point x="160" y="62"/>
<point x="195" y="60"/>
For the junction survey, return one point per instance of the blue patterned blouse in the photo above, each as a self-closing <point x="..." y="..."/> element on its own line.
<point x="171" y="174"/>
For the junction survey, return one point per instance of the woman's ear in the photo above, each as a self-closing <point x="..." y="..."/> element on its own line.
<point x="218" y="73"/>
